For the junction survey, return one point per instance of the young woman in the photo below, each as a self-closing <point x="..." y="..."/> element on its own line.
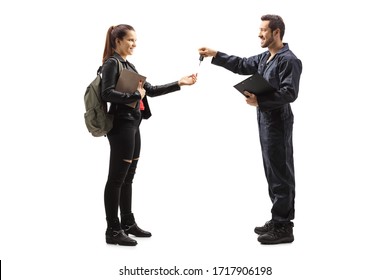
<point x="124" y="137"/>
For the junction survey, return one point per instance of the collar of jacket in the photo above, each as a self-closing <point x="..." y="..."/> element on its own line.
<point x="125" y="62"/>
<point x="116" y="55"/>
<point x="284" y="49"/>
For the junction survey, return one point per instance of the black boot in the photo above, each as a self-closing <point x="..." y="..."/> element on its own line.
<point x="116" y="235"/>
<point x="264" y="229"/>
<point x="130" y="226"/>
<point x="119" y="237"/>
<point x="279" y="233"/>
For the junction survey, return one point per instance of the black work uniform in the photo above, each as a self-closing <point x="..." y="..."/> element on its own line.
<point x="275" y="120"/>
<point x="124" y="137"/>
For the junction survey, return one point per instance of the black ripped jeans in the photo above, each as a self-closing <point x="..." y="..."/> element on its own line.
<point x="125" y="146"/>
<point x="276" y="129"/>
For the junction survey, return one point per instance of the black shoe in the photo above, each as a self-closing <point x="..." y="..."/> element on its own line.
<point x="264" y="229"/>
<point x="119" y="237"/>
<point x="280" y="233"/>
<point x="136" y="231"/>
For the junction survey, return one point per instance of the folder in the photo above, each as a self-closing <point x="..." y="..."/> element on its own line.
<point x="255" y="84"/>
<point x="128" y="82"/>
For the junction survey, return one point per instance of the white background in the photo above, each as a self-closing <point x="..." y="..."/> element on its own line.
<point x="200" y="187"/>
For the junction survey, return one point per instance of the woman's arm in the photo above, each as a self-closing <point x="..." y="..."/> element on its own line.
<point x="110" y="77"/>
<point x="153" y="91"/>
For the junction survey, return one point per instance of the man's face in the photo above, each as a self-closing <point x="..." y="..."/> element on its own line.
<point x="266" y="35"/>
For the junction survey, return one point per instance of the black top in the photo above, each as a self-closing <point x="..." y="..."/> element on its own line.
<point x="118" y="100"/>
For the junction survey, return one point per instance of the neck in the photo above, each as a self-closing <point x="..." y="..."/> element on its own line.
<point x="275" y="48"/>
<point x="122" y="55"/>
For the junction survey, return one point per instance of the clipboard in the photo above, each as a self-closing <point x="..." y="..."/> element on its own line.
<point x="255" y="84"/>
<point x="128" y="82"/>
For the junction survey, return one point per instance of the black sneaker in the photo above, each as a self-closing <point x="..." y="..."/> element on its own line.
<point x="264" y="229"/>
<point x="280" y="233"/>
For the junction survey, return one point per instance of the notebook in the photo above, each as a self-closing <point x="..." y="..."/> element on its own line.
<point x="128" y="82"/>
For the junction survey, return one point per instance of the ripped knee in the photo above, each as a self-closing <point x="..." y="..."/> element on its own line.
<point x="130" y="160"/>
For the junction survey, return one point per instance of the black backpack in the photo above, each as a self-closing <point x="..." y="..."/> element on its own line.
<point x="97" y="120"/>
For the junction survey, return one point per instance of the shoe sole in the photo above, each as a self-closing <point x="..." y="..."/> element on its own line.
<point x="121" y="244"/>
<point x="280" y="241"/>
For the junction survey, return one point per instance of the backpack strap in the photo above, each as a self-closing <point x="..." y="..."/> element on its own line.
<point x="120" y="67"/>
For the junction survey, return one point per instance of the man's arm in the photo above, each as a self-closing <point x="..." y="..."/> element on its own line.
<point x="242" y="66"/>
<point x="289" y="76"/>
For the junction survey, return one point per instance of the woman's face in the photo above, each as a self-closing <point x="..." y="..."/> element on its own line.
<point x="125" y="46"/>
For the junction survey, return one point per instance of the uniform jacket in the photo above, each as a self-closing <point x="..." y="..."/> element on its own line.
<point x="282" y="72"/>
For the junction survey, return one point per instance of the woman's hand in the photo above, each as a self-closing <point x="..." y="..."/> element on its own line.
<point x="188" y="80"/>
<point x="141" y="89"/>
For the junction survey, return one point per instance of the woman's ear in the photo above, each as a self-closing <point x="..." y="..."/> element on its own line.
<point x="117" y="42"/>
